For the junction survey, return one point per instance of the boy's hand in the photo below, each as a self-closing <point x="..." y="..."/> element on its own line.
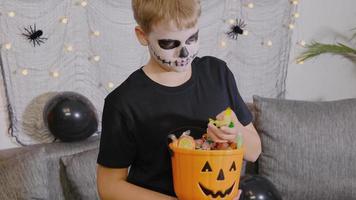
<point x="225" y="133"/>
<point x="238" y="195"/>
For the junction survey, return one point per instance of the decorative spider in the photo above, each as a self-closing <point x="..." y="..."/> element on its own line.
<point x="34" y="36"/>
<point x="236" y="29"/>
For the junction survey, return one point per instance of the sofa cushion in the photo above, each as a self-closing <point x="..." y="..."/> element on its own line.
<point x="80" y="170"/>
<point x="308" y="148"/>
<point x="9" y="153"/>
<point x="41" y="161"/>
<point x="57" y="183"/>
<point x="24" y="176"/>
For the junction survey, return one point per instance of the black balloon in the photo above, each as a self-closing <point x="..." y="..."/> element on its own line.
<point x="258" y="188"/>
<point x="70" y="117"/>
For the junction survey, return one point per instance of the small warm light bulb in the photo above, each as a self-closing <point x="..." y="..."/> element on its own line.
<point x="95" y="58"/>
<point x="295" y="2"/>
<point x="250" y="5"/>
<point x="269" y="43"/>
<point x="291" y="26"/>
<point x="232" y="21"/>
<point x="64" y="20"/>
<point x="111" y="85"/>
<point x="11" y="14"/>
<point x="296" y="15"/>
<point x="300" y="62"/>
<point x="302" y="43"/>
<point x="84" y="3"/>
<point x="245" y="32"/>
<point x="24" y="72"/>
<point x="96" y="33"/>
<point x="69" y="48"/>
<point x="55" y="74"/>
<point x="8" y="46"/>
<point x="223" y="44"/>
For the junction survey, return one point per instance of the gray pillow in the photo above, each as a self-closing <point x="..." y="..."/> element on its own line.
<point x="80" y="170"/>
<point x="57" y="183"/>
<point x="24" y="176"/>
<point x="308" y="148"/>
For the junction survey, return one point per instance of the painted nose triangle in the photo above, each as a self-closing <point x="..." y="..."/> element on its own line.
<point x="221" y="176"/>
<point x="183" y="53"/>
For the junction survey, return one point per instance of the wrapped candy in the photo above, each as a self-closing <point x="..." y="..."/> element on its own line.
<point x="174" y="139"/>
<point x="186" y="141"/>
<point x="205" y="142"/>
<point x="226" y="121"/>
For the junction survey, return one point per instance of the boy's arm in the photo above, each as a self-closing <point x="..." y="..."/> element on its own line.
<point x="112" y="185"/>
<point x="252" y="143"/>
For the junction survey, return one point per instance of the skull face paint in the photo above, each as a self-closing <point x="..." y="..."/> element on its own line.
<point x="174" y="49"/>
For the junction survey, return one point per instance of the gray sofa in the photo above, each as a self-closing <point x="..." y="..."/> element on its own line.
<point x="308" y="152"/>
<point x="55" y="171"/>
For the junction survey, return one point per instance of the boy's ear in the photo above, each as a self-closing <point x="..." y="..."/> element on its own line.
<point x="141" y="36"/>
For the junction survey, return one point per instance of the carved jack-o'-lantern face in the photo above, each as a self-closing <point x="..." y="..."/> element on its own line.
<point x="220" y="179"/>
<point x="203" y="175"/>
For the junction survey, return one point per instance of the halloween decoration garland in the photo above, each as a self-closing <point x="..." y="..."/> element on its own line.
<point x="36" y="35"/>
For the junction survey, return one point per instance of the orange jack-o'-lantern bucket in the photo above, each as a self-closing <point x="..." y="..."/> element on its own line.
<point x="206" y="174"/>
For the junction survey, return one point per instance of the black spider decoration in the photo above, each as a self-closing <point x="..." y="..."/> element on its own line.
<point x="236" y="29"/>
<point x="34" y="36"/>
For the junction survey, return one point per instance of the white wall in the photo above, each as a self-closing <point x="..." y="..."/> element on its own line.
<point x="325" y="78"/>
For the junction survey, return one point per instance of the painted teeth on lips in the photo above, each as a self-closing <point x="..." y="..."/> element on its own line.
<point x="182" y="63"/>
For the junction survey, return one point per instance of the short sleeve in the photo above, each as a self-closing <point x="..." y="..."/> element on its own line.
<point x="238" y="105"/>
<point x="117" y="144"/>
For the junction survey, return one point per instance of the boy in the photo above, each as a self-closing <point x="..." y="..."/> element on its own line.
<point x="175" y="91"/>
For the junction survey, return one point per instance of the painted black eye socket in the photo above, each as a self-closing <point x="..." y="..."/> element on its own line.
<point x="192" y="38"/>
<point x="168" y="44"/>
<point x="233" y="166"/>
<point x="207" y="167"/>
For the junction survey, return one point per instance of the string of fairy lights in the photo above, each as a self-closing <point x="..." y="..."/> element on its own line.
<point x="68" y="48"/>
<point x="264" y="40"/>
<point x="232" y="21"/>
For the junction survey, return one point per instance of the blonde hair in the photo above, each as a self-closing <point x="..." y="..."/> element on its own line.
<point x="183" y="13"/>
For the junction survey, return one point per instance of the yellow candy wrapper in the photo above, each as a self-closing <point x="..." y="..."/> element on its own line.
<point x="227" y="121"/>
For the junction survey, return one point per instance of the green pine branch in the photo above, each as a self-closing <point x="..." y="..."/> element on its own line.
<point x="315" y="49"/>
<point x="354" y="35"/>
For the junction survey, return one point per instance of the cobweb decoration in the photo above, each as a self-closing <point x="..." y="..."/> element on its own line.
<point x="91" y="49"/>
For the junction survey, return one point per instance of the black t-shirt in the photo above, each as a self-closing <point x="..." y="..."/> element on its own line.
<point x="140" y="114"/>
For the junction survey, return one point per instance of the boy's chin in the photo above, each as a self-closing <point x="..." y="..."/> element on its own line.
<point x="177" y="68"/>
